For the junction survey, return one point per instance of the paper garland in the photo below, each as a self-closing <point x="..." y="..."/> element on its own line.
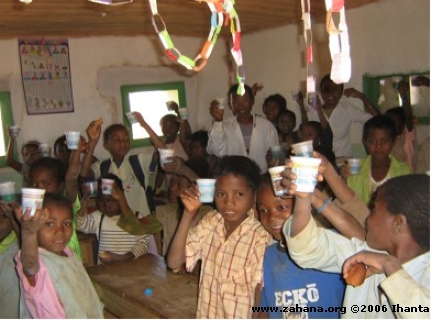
<point x="306" y="18"/>
<point x="339" y="45"/>
<point x="219" y="10"/>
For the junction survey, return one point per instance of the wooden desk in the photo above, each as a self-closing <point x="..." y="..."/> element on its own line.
<point x="120" y="287"/>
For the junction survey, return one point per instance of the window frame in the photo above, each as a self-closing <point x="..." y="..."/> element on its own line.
<point x="7" y="119"/>
<point x="126" y="89"/>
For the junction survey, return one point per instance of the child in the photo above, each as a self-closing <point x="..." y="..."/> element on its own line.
<point x="396" y="251"/>
<point x="286" y="124"/>
<point x="379" y="166"/>
<point x="133" y="170"/>
<point x="54" y="282"/>
<point x="229" y="241"/>
<point x="30" y="153"/>
<point x="273" y="105"/>
<point x="198" y="149"/>
<point x="115" y="244"/>
<point x="405" y="148"/>
<point x="341" y="113"/>
<point x="244" y="134"/>
<point x="285" y="284"/>
<point x="50" y="174"/>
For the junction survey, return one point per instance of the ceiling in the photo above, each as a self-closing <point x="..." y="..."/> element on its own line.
<point x="81" y="18"/>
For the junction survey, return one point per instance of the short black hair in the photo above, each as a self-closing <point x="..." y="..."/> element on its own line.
<point x="278" y="99"/>
<point x="239" y="166"/>
<point x="409" y="195"/>
<point x="170" y="117"/>
<point x="328" y="78"/>
<point x="52" y="164"/>
<point x="199" y="166"/>
<point x="111" y="129"/>
<point x="200" y="137"/>
<point x="397" y="112"/>
<point x="289" y="112"/>
<point x="233" y="89"/>
<point x="31" y="143"/>
<point x="379" y="122"/>
<point x="58" y="200"/>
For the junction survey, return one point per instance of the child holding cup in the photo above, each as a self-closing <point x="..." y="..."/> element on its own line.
<point x="54" y="282"/>
<point x="234" y="227"/>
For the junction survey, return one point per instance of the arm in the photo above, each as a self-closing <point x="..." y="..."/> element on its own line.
<point x="300" y="101"/>
<point x="177" y="251"/>
<point x="177" y="166"/>
<point x="72" y="174"/>
<point x="11" y="162"/>
<point x="29" y="250"/>
<point x="368" y="105"/>
<point x="403" y="90"/>
<point x="155" y="139"/>
<point x="93" y="132"/>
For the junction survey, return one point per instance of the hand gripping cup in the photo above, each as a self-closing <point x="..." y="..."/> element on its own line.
<point x="306" y="170"/>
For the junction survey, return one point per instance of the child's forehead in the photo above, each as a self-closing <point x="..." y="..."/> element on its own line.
<point x="379" y="132"/>
<point x="119" y="132"/>
<point x="58" y="211"/>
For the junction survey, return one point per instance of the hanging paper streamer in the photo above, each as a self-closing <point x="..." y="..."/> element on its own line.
<point x="220" y="10"/>
<point x="339" y="46"/>
<point x="306" y="18"/>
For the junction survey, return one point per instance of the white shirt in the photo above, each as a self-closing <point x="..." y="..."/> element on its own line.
<point x="327" y="250"/>
<point x="341" y="119"/>
<point x="226" y="139"/>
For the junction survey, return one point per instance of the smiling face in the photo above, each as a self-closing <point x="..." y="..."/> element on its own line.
<point x="331" y="93"/>
<point x="271" y="110"/>
<point x="233" y="199"/>
<point x="118" y="143"/>
<point x="241" y="105"/>
<point x="273" y="211"/>
<point x="57" y="229"/>
<point x="286" y="123"/>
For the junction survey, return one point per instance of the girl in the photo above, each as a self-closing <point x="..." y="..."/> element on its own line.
<point x="54" y="282"/>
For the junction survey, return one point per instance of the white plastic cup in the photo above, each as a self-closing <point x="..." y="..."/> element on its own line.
<point x="14" y="130"/>
<point x="7" y="191"/>
<point x="171" y="105"/>
<point x="107" y="185"/>
<point x="275" y="151"/>
<point x="130" y="116"/>
<point x="355" y="165"/>
<point x="303" y="149"/>
<point x="72" y="138"/>
<point x="32" y="199"/>
<point x="45" y="150"/>
<point x="221" y="103"/>
<point x="206" y="188"/>
<point x="164" y="155"/>
<point x="90" y="188"/>
<point x="276" y="177"/>
<point x="306" y="170"/>
<point x="183" y="113"/>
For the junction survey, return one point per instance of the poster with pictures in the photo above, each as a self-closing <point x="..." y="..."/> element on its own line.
<point x="46" y="77"/>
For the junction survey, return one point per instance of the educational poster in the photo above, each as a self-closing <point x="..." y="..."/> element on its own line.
<point x="46" y="77"/>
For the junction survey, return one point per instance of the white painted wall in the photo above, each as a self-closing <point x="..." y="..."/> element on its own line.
<point x="387" y="36"/>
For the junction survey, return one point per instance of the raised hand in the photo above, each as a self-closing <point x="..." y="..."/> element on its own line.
<point x="190" y="199"/>
<point x="215" y="112"/>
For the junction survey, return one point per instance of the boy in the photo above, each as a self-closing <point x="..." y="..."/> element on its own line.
<point x="244" y="134"/>
<point x="379" y="166"/>
<point x="396" y="251"/>
<point x="286" y="284"/>
<point x="229" y="241"/>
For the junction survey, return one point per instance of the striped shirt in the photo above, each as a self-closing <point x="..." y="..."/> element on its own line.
<point x="231" y="268"/>
<point x="112" y="238"/>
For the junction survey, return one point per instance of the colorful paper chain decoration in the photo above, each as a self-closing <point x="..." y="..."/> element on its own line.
<point x="306" y="18"/>
<point x="339" y="46"/>
<point x="219" y="9"/>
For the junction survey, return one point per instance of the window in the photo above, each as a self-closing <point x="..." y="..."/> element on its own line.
<point x="383" y="92"/>
<point x="5" y="120"/>
<point x="150" y="100"/>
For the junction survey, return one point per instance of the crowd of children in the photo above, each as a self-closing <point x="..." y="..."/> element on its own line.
<point x="257" y="254"/>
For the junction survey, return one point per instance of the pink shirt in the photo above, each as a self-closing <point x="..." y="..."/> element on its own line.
<point x="41" y="300"/>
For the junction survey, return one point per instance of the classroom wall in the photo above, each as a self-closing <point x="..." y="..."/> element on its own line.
<point x="386" y="37"/>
